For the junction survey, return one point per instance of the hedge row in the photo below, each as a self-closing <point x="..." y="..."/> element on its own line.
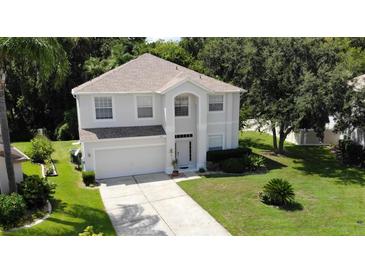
<point x="217" y="156"/>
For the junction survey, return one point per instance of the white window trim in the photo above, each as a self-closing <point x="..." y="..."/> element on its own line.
<point x="215" y="134"/>
<point x="224" y="104"/>
<point x="189" y="108"/>
<point x="94" y="108"/>
<point x="136" y="107"/>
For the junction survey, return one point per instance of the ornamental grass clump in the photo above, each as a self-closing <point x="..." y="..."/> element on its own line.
<point x="278" y="192"/>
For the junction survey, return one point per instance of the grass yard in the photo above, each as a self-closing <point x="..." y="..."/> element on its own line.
<point x="332" y="196"/>
<point x="75" y="207"/>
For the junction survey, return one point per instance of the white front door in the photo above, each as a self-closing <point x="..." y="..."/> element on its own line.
<point x="183" y="152"/>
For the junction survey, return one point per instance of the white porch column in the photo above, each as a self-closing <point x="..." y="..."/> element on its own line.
<point x="229" y="117"/>
<point x="169" y="117"/>
<point x="202" y="131"/>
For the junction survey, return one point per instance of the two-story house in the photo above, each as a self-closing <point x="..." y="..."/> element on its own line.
<point x="139" y="117"/>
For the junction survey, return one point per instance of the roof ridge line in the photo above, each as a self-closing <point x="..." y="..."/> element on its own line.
<point x="101" y="76"/>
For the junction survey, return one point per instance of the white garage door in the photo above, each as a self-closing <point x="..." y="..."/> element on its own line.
<point x="129" y="161"/>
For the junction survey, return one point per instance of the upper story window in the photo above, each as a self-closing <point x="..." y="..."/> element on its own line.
<point x="144" y="107"/>
<point x="215" y="142"/>
<point x="215" y="102"/>
<point x="103" y="108"/>
<point x="181" y="106"/>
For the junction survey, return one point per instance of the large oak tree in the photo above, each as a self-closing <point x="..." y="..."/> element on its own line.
<point x="292" y="83"/>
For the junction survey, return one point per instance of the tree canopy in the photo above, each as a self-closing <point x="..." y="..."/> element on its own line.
<point x="291" y="83"/>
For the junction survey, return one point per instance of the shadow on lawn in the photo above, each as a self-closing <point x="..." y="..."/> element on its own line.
<point x="315" y="160"/>
<point x="73" y="220"/>
<point x="294" y="206"/>
<point x="321" y="161"/>
<point x="253" y="143"/>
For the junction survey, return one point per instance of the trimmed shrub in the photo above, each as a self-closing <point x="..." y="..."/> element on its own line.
<point x="36" y="191"/>
<point x="351" y="152"/>
<point x="221" y="155"/>
<point x="12" y="210"/>
<point x="278" y="192"/>
<point x="89" y="231"/>
<point x="41" y="150"/>
<point x="88" y="177"/>
<point x="234" y="165"/>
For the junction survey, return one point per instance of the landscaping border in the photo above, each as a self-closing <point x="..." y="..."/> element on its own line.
<point x="35" y="222"/>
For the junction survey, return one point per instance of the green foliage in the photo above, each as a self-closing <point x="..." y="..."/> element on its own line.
<point x="116" y="52"/>
<point x="256" y="161"/>
<point x="12" y="210"/>
<point x="221" y="155"/>
<point x="36" y="191"/>
<point x="49" y="168"/>
<point x="234" y="165"/>
<point x="41" y="150"/>
<point x="278" y="192"/>
<point x="351" y="152"/>
<point x="202" y="170"/>
<point x="248" y="162"/>
<point x="171" y="51"/>
<point x="89" y="231"/>
<point x="352" y="115"/>
<point x="292" y="83"/>
<point x="88" y="177"/>
<point x="68" y="130"/>
<point x="63" y="132"/>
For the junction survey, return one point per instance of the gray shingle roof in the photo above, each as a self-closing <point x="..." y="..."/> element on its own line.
<point x="93" y="134"/>
<point x="149" y="73"/>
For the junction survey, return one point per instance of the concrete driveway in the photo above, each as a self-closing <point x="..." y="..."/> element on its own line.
<point x="153" y="204"/>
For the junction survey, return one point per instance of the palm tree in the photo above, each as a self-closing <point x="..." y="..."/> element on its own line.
<point x="48" y="56"/>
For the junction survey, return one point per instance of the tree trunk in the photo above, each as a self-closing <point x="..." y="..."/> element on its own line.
<point x="282" y="136"/>
<point x="6" y="139"/>
<point x="274" y="139"/>
<point x="281" y="145"/>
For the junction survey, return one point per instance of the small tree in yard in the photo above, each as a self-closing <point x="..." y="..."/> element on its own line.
<point x="41" y="150"/>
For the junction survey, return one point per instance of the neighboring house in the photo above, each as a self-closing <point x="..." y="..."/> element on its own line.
<point x="304" y="136"/>
<point x="18" y="158"/>
<point x="139" y="117"/>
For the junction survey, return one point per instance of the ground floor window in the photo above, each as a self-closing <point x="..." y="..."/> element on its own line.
<point x="215" y="142"/>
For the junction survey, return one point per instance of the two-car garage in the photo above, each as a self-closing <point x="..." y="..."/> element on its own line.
<point x="130" y="160"/>
<point x="123" y="151"/>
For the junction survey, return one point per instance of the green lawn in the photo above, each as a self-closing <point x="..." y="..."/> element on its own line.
<point x="332" y="196"/>
<point x="75" y="207"/>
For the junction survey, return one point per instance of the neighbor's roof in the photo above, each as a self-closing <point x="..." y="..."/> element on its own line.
<point x="93" y="134"/>
<point x="16" y="154"/>
<point x="149" y="73"/>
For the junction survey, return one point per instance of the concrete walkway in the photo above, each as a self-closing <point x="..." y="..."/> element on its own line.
<point x="153" y="204"/>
